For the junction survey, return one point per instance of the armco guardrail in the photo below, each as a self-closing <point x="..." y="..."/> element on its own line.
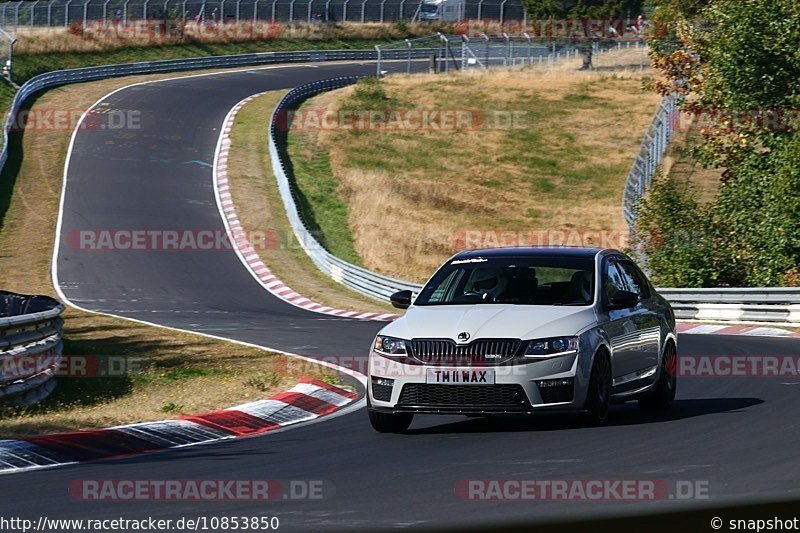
<point x="62" y="77"/>
<point x="690" y="303"/>
<point x="353" y="276"/>
<point x="773" y="305"/>
<point x="30" y="346"/>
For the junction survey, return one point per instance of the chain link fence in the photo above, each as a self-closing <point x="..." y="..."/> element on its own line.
<point x="651" y="152"/>
<point x="60" y="13"/>
<point x="454" y="52"/>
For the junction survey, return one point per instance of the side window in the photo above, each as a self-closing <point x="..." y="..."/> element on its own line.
<point x="634" y="279"/>
<point x="612" y="280"/>
<point x="444" y="291"/>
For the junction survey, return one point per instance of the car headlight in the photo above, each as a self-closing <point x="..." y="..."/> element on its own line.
<point x="554" y="347"/>
<point x="390" y="346"/>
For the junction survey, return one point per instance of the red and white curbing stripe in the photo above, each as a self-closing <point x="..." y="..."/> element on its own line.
<point x="717" y="329"/>
<point x="244" y="249"/>
<point x="307" y="400"/>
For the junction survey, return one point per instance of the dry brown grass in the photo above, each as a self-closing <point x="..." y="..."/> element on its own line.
<point x="679" y="164"/>
<point x="411" y="194"/>
<point x="259" y="207"/>
<point x="184" y="373"/>
<point x="96" y="38"/>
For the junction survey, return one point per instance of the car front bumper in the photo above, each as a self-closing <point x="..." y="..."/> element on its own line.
<point x="551" y="385"/>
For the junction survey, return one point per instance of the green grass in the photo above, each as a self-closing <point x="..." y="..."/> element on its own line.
<point x="259" y="205"/>
<point x="562" y="165"/>
<point x="319" y="197"/>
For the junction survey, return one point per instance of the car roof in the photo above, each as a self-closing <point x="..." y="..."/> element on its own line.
<point x="534" y="251"/>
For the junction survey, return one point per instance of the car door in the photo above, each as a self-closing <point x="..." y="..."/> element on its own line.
<point x="644" y="315"/>
<point x="619" y="324"/>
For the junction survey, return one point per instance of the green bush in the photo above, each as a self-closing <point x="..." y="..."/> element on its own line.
<point x="744" y="58"/>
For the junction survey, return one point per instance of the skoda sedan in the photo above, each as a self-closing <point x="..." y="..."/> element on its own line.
<point x="525" y="330"/>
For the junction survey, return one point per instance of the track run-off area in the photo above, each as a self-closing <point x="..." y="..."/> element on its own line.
<point x="736" y="436"/>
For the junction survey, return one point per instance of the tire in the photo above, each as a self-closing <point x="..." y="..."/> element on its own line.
<point x="390" y="423"/>
<point x="663" y="392"/>
<point x="598" y="395"/>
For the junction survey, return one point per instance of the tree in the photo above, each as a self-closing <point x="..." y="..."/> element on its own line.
<point x="738" y="64"/>
<point x="583" y="9"/>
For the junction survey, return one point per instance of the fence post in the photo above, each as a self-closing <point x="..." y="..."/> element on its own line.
<point x="33" y="10"/>
<point x="344" y="10"/>
<point x="363" y="9"/>
<point x="66" y="13"/>
<point x="528" y="38"/>
<point x="383" y="3"/>
<point x="408" y="63"/>
<point x="291" y="11"/>
<point x="464" y="45"/>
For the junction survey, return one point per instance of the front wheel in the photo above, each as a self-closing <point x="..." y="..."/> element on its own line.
<point x="390" y="423"/>
<point x="598" y="396"/>
<point x="664" y="390"/>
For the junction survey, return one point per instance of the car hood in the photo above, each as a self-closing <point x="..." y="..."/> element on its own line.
<point x="491" y="321"/>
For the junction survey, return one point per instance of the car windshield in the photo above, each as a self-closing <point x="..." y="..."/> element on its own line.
<point x="512" y="280"/>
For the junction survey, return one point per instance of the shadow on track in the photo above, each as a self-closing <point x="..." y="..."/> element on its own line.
<point x="621" y="415"/>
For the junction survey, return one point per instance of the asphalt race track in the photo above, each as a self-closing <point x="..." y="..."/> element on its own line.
<point x="738" y="435"/>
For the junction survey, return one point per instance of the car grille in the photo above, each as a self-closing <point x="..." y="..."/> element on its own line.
<point x="478" y="352"/>
<point x="420" y="394"/>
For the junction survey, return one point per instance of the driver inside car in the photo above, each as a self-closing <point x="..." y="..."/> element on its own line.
<point x="489" y="283"/>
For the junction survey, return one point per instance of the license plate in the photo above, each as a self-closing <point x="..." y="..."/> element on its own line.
<point x="450" y="376"/>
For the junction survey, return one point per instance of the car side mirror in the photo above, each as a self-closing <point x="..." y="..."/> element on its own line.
<point x="623" y="300"/>
<point x="401" y="299"/>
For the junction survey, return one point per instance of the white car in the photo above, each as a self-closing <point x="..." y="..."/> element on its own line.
<point x="525" y="330"/>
